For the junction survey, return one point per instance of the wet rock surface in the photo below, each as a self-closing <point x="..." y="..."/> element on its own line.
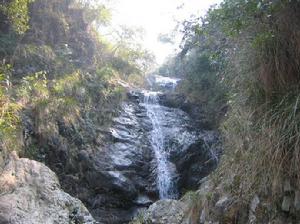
<point x="197" y="159"/>
<point x="197" y="112"/>
<point x="113" y="170"/>
<point x="119" y="177"/>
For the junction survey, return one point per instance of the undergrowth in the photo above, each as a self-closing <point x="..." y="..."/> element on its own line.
<point x="9" y="115"/>
<point x="261" y="131"/>
<point x="56" y="66"/>
<point x="265" y="149"/>
<point x="258" y="44"/>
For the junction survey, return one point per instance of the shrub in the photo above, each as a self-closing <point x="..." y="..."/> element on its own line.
<point x="9" y="115"/>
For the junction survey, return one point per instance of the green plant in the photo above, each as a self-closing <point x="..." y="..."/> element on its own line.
<point x="9" y="114"/>
<point x="17" y="12"/>
<point x="33" y="87"/>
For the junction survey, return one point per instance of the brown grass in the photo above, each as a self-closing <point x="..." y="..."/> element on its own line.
<point x="280" y="65"/>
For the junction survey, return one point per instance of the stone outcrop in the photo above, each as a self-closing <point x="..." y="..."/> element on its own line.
<point x="117" y="178"/>
<point x="197" y="160"/>
<point x="112" y="169"/>
<point x="30" y="193"/>
<point x="165" y="212"/>
<point x="201" y="117"/>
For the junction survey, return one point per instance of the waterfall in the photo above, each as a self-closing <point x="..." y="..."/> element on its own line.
<point x="165" y="171"/>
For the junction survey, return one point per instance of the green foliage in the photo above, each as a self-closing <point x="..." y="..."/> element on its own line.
<point x="17" y="12"/>
<point x="262" y="74"/>
<point x="97" y="13"/>
<point x="246" y="54"/>
<point x="65" y="85"/>
<point x="9" y="114"/>
<point x="33" y="87"/>
<point x="106" y="72"/>
<point x="136" y="80"/>
<point x="31" y="152"/>
<point x="7" y="43"/>
<point x="34" y="58"/>
<point x="130" y="57"/>
<point x="201" y="66"/>
<point x="61" y="69"/>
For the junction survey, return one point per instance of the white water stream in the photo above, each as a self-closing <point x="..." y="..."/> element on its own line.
<point x="165" y="171"/>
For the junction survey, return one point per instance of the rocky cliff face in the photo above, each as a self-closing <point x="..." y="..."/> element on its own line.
<point x="113" y="158"/>
<point x="113" y="170"/>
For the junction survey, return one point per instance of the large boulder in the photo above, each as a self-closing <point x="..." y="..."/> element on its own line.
<point x="30" y="193"/>
<point x="166" y="212"/>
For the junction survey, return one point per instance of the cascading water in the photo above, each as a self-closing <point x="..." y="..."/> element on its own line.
<point x="165" y="171"/>
<point x="171" y="138"/>
<point x="166" y="82"/>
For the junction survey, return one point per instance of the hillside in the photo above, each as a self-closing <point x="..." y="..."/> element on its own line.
<point x="91" y="133"/>
<point x="240" y="64"/>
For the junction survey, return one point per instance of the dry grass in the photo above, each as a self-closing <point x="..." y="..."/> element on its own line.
<point x="279" y="55"/>
<point x="263" y="152"/>
<point x="195" y="201"/>
<point x="263" y="127"/>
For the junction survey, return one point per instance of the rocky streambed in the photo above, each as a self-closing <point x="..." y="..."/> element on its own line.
<point x="153" y="150"/>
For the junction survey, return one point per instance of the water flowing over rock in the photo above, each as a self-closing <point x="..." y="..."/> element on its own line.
<point x="166" y="172"/>
<point x="153" y="152"/>
<point x="150" y="152"/>
<point x="162" y="82"/>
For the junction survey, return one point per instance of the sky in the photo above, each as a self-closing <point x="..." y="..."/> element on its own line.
<point x="157" y="17"/>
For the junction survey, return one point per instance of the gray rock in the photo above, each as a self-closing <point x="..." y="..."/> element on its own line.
<point x="112" y="180"/>
<point x="108" y="166"/>
<point x="143" y="200"/>
<point x="166" y="212"/>
<point x="222" y="206"/>
<point x="172" y="100"/>
<point x="297" y="200"/>
<point x="286" y="203"/>
<point x="254" y="203"/>
<point x="223" y="202"/>
<point x="203" y="216"/>
<point x="193" y="163"/>
<point x="287" y="186"/>
<point x="31" y="194"/>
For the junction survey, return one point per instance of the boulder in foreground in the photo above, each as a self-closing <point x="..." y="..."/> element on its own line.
<point x="30" y="194"/>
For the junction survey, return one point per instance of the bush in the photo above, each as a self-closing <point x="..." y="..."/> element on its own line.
<point x="9" y="115"/>
<point x="262" y="133"/>
<point x="33" y="58"/>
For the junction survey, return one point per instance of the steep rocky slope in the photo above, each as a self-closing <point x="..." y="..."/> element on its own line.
<point x="64" y="107"/>
<point x="117" y="177"/>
